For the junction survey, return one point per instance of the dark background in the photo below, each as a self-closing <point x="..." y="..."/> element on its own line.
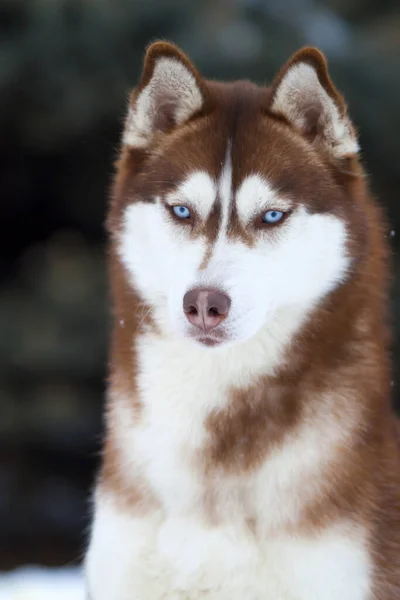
<point x="65" y="70"/>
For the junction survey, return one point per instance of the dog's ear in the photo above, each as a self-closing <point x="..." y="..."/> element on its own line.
<point x="170" y="93"/>
<point x="304" y="94"/>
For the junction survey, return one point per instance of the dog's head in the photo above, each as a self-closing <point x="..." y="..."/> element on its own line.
<point x="230" y="204"/>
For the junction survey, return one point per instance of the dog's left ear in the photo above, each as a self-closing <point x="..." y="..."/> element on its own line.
<point x="304" y="94"/>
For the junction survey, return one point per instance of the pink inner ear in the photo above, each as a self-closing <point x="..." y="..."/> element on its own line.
<point x="164" y="117"/>
<point x="312" y="125"/>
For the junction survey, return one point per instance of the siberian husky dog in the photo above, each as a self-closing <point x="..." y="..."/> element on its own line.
<point x="250" y="452"/>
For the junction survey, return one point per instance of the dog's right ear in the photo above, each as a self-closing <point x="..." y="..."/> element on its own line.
<point x="170" y="93"/>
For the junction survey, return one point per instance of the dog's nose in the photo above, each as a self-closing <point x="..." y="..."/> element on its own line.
<point x="205" y="309"/>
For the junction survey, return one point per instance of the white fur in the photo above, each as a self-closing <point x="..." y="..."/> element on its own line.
<point x="198" y="191"/>
<point x="171" y="85"/>
<point x="225" y="191"/>
<point x="255" y="195"/>
<point x="299" y="90"/>
<point x="157" y="558"/>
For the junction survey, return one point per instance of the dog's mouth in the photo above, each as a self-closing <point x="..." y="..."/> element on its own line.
<point x="209" y="341"/>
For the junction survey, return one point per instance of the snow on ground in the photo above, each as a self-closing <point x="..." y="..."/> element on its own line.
<point x="31" y="583"/>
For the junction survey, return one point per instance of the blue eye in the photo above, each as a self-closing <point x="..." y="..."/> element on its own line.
<point x="273" y="216"/>
<point x="181" y="211"/>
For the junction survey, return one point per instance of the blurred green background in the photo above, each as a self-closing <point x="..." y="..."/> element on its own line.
<point x="65" y="69"/>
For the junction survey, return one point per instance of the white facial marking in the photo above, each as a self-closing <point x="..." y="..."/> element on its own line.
<point x="198" y="191"/>
<point x="172" y="86"/>
<point x="256" y="195"/>
<point x="299" y="90"/>
<point x="289" y="268"/>
<point x="225" y="190"/>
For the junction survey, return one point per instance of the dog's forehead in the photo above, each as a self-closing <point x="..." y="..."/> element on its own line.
<point x="251" y="157"/>
<point x="246" y="172"/>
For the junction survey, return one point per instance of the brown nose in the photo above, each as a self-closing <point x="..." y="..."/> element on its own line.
<point x="205" y="309"/>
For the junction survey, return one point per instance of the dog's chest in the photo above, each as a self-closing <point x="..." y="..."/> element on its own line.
<point x="172" y="434"/>
<point x="173" y="439"/>
<point x="181" y="559"/>
<point x="178" y="395"/>
<point x="221" y="536"/>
